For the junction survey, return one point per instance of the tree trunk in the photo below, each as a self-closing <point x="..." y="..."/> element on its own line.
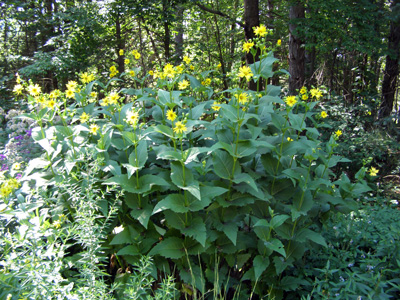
<point x="251" y="19"/>
<point x="167" y="34"/>
<point x="389" y="84"/>
<point x="296" y="48"/>
<point x="179" y="34"/>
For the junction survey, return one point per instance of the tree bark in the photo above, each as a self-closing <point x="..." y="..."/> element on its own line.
<point x="389" y="84"/>
<point x="296" y="48"/>
<point x="179" y="34"/>
<point x="251" y="20"/>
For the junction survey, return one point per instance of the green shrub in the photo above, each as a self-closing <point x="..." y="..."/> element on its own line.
<point x="237" y="180"/>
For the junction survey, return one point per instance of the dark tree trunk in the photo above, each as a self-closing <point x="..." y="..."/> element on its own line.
<point x="179" y="35"/>
<point x="120" y="43"/>
<point x="251" y="19"/>
<point x="167" y="34"/>
<point x="389" y="83"/>
<point x="296" y="48"/>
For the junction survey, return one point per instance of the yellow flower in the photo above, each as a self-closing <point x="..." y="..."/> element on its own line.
<point x="85" y="77"/>
<point x="373" y="171"/>
<point x="316" y="93"/>
<point x="216" y="106"/>
<point x="84" y="118"/>
<point x="338" y="133"/>
<point x="279" y="42"/>
<point x="219" y="66"/>
<point x="183" y="84"/>
<point x="192" y="68"/>
<point x="186" y="59"/>
<point x="289" y="139"/>
<point x="55" y="94"/>
<point x="242" y="98"/>
<point x="113" y="69"/>
<point x="304" y="97"/>
<point x="114" y="97"/>
<point x="290" y="100"/>
<point x="18" y="78"/>
<point x="121" y="52"/>
<point x="18" y="89"/>
<point x="16" y="166"/>
<point x="180" y="127"/>
<point x="260" y="31"/>
<point x="51" y="104"/>
<point x="70" y="94"/>
<point x="105" y="101"/>
<point x="179" y="69"/>
<point x="323" y="114"/>
<point x="127" y="61"/>
<point x="245" y="72"/>
<point x="171" y="115"/>
<point x="169" y="71"/>
<point x="137" y="55"/>
<point x="34" y="90"/>
<point x="151" y="72"/>
<point x="247" y="46"/>
<point x="93" y="129"/>
<point x="71" y="85"/>
<point x="93" y="94"/>
<point x="132" y="73"/>
<point x="132" y="117"/>
<point x="303" y="90"/>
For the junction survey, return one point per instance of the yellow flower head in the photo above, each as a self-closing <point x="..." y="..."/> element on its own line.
<point x="151" y="72"/>
<point x="18" y="88"/>
<point x="323" y="114"/>
<point x="171" y="115"/>
<point x="137" y="55"/>
<point x="132" y="73"/>
<point x="179" y="69"/>
<point x="51" y="104"/>
<point x="179" y="127"/>
<point x="126" y="61"/>
<point x="70" y="93"/>
<point x="260" y="31"/>
<point x="304" y="97"/>
<point x="71" y="85"/>
<point x="121" y="52"/>
<point x="245" y="72"/>
<point x="18" y="78"/>
<point x="216" y="106"/>
<point x="183" y="84"/>
<point x="289" y="139"/>
<point x="84" y="118"/>
<point x="290" y="100"/>
<point x="93" y="94"/>
<point x="132" y="117"/>
<point x="303" y="90"/>
<point x="279" y="42"/>
<point x="94" y="128"/>
<point x="247" y="46"/>
<point x="113" y="69"/>
<point x="338" y="133"/>
<point x="114" y="97"/>
<point x="242" y="98"/>
<point x="105" y="101"/>
<point x="86" y="78"/>
<point x="187" y="60"/>
<point x="34" y="90"/>
<point x="219" y="66"/>
<point x="16" y="166"/>
<point x="316" y="93"/>
<point x="373" y="171"/>
<point x="169" y="71"/>
<point x="55" y="94"/>
<point x="192" y="67"/>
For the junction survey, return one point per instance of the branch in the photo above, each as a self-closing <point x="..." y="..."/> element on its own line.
<point x="217" y="12"/>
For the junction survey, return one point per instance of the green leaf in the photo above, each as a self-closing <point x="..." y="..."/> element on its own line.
<point x="278" y="220"/>
<point x="230" y="113"/>
<point x="146" y="183"/>
<point x="174" y="202"/>
<point x="276" y="245"/>
<point x="165" y="130"/>
<point x="264" y="66"/>
<point x="171" y="247"/>
<point x="168" y="153"/>
<point x="129" y="250"/>
<point x="246" y="178"/>
<point x="307" y="234"/>
<point x="182" y="177"/>
<point x="197" y="230"/>
<point x="223" y="165"/>
<point x="139" y="156"/>
<point x="260" y="264"/>
<point x="230" y="230"/>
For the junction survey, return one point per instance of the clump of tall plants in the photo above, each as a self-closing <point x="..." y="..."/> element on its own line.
<point x="225" y="190"/>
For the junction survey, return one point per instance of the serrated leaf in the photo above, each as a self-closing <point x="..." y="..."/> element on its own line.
<point x="129" y="250"/>
<point x="307" y="234"/>
<point x="223" y="164"/>
<point x="171" y="247"/>
<point x="246" y="178"/>
<point x="260" y="264"/>
<point x="197" y="230"/>
<point x="276" y="245"/>
<point x="146" y="183"/>
<point x="182" y="177"/>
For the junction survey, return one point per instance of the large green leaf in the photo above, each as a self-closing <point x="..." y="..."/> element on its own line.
<point x="260" y="264"/>
<point x="276" y="245"/>
<point x="182" y="177"/>
<point x="223" y="165"/>
<point x="307" y="234"/>
<point x="171" y="247"/>
<point x="197" y="230"/>
<point x="146" y="183"/>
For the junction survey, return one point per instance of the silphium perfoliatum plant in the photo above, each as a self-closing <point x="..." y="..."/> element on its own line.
<point x="236" y="181"/>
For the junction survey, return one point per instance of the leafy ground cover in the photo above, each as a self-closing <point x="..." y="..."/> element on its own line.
<point x="160" y="185"/>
